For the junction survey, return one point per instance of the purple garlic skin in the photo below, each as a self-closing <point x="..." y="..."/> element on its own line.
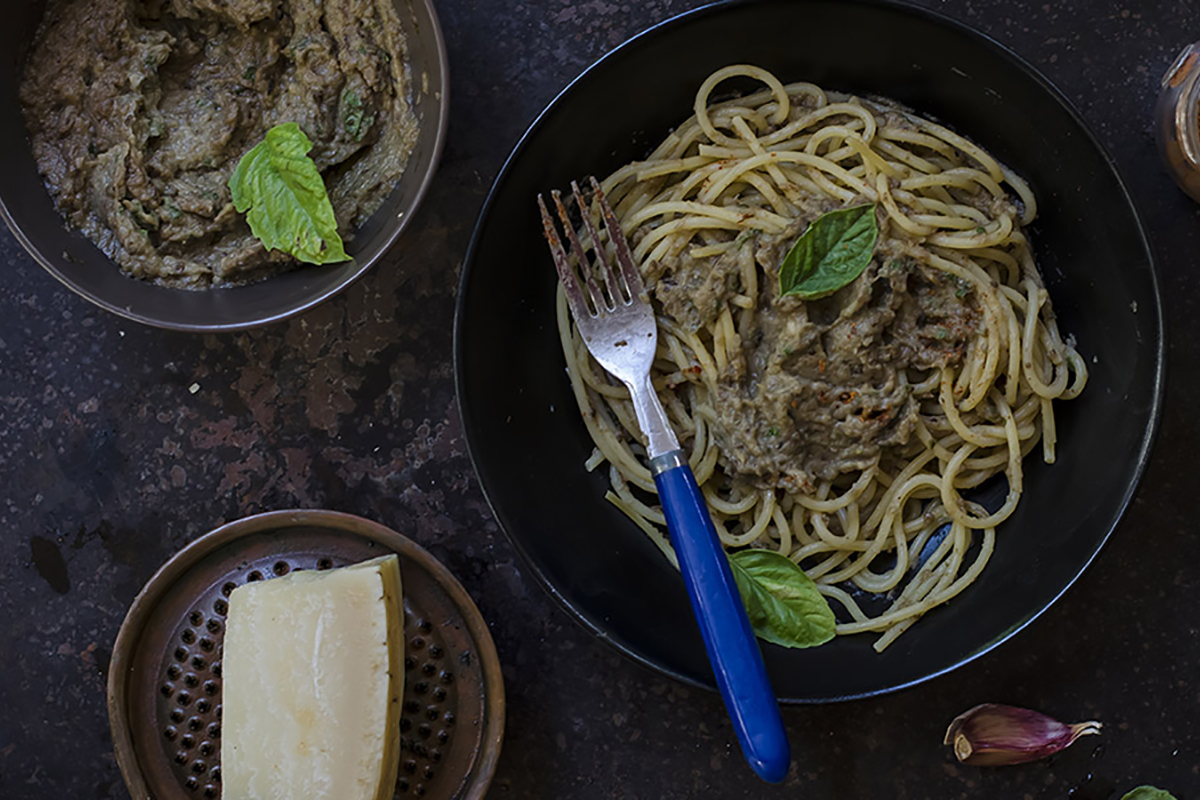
<point x="992" y="735"/>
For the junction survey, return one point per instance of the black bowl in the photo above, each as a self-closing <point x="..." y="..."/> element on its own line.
<point x="72" y="258"/>
<point x="523" y="426"/>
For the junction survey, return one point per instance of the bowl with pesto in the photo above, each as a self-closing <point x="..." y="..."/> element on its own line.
<point x="211" y="166"/>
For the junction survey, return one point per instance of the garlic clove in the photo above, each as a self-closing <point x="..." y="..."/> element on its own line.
<point x="994" y="735"/>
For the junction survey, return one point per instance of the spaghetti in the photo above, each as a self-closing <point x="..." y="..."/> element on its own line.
<point x="949" y="354"/>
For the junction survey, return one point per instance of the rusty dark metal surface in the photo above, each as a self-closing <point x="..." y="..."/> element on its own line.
<point x="165" y="681"/>
<point x="121" y="444"/>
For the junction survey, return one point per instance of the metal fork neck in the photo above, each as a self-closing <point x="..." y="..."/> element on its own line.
<point x="651" y="417"/>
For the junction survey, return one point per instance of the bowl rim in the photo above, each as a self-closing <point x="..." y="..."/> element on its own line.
<point x="937" y="18"/>
<point x="483" y="767"/>
<point x="442" y="95"/>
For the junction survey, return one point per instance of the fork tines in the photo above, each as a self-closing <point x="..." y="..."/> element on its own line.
<point x="624" y="288"/>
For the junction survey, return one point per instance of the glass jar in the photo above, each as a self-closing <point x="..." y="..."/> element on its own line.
<point x="1177" y="118"/>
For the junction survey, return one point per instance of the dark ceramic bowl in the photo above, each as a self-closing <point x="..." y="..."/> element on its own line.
<point x="523" y="426"/>
<point x="69" y="256"/>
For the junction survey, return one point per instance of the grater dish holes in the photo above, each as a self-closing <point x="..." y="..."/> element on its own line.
<point x="191" y="667"/>
<point x="191" y="694"/>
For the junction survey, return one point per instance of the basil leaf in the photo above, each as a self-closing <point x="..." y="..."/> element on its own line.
<point x="355" y="119"/>
<point x="832" y="252"/>
<point x="782" y="602"/>
<point x="1148" y="793"/>
<point x="277" y="186"/>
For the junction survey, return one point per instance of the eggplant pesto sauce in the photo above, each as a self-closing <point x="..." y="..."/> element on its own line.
<point x="139" y="110"/>
<point x="820" y="387"/>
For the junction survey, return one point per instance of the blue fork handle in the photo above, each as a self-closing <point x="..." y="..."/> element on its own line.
<point x="736" y="660"/>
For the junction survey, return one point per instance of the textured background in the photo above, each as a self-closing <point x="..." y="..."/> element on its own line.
<point x="120" y="444"/>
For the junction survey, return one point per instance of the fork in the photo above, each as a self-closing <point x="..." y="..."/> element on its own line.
<point x="620" y="332"/>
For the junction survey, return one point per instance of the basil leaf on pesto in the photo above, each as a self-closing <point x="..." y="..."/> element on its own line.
<point x="1148" y="793"/>
<point x="784" y="605"/>
<point x="355" y="119"/>
<point x="277" y="186"/>
<point x="832" y="252"/>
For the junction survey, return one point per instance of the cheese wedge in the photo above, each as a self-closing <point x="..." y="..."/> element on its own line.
<point x="313" y="676"/>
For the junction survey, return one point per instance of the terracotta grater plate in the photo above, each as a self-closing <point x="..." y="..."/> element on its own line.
<point x="164" y="683"/>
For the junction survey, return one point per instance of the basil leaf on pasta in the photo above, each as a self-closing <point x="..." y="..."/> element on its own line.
<point x="784" y="605"/>
<point x="277" y="186"/>
<point x="832" y="252"/>
<point x="1148" y="793"/>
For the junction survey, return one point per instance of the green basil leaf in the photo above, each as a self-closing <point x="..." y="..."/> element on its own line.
<point x="277" y="186"/>
<point x="832" y="252"/>
<point x="355" y="119"/>
<point x="782" y="602"/>
<point x="1148" y="793"/>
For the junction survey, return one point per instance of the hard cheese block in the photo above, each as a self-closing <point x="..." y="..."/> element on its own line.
<point x="313" y="677"/>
